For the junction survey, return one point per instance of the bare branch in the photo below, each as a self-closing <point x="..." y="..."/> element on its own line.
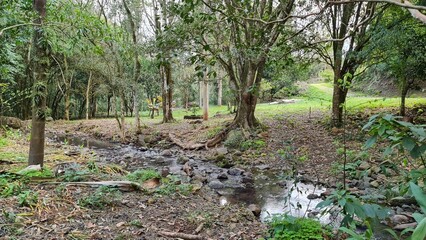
<point x="404" y="4"/>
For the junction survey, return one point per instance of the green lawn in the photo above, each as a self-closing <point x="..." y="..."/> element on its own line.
<point x="317" y="97"/>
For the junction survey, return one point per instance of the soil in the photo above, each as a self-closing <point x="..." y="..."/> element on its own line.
<point x="299" y="144"/>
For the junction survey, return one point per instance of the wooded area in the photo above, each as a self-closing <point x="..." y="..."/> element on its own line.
<point x="210" y="102"/>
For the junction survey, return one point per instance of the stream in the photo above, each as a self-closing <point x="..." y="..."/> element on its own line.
<point x="270" y="190"/>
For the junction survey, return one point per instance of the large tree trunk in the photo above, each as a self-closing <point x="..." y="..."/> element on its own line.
<point x="38" y="122"/>
<point x="404" y="91"/>
<point x="167" y="92"/>
<point x="247" y="96"/>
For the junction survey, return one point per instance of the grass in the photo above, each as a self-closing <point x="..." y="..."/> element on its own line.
<point x="317" y="97"/>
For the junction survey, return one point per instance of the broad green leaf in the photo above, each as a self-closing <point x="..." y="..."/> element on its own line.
<point x="418" y="217"/>
<point x="370" y="142"/>
<point x="393" y="233"/>
<point x="408" y="143"/>
<point x="420" y="231"/>
<point x="352" y="233"/>
<point x="419" y="131"/>
<point x="324" y="203"/>
<point x="419" y="195"/>
<point x="416" y="152"/>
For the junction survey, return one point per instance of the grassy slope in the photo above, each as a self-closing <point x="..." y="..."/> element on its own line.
<point x="317" y="97"/>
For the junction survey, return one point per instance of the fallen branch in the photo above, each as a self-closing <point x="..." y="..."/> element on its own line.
<point x="182" y="235"/>
<point x="125" y="186"/>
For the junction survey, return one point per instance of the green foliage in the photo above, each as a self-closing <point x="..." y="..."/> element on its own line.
<point x="172" y="185"/>
<point x="285" y="227"/>
<point x="253" y="144"/>
<point x="327" y="75"/>
<point x="143" y="175"/>
<point x="235" y="138"/>
<point x="28" y="198"/>
<point x="44" y="173"/>
<point x="12" y="185"/>
<point x="3" y="142"/>
<point x="403" y="136"/>
<point x="101" y="198"/>
<point x="353" y="208"/>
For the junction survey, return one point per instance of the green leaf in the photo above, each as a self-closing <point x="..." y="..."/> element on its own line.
<point x="418" y="217"/>
<point x="393" y="233"/>
<point x="370" y="142"/>
<point x="416" y="152"/>
<point x="420" y="231"/>
<point x="324" y="203"/>
<point x="408" y="143"/>
<point x="353" y="234"/>
<point x="419" y="131"/>
<point x="419" y="195"/>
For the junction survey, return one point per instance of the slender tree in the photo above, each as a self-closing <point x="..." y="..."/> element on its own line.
<point x="38" y="122"/>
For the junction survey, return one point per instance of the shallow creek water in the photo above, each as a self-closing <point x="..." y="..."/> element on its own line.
<point x="269" y="189"/>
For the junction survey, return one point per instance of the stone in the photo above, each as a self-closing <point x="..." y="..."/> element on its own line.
<point x="255" y="209"/>
<point x="364" y="166"/>
<point x="399" y="219"/>
<point x="401" y="227"/>
<point x="166" y="153"/>
<point x="222" y="176"/>
<point x="216" y="184"/>
<point x="49" y="119"/>
<point x="326" y="193"/>
<point x="399" y="201"/>
<point x="30" y="169"/>
<point x="375" y="184"/>
<point x="238" y="153"/>
<point x="182" y="159"/>
<point x="199" y="178"/>
<point x="375" y="169"/>
<point x="313" y="196"/>
<point x="235" y="171"/>
<point x="165" y="171"/>
<point x="221" y="151"/>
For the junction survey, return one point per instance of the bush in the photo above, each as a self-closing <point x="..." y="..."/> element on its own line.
<point x="143" y="175"/>
<point x="235" y="138"/>
<point x="102" y="197"/>
<point x="285" y="227"/>
<point x="253" y="144"/>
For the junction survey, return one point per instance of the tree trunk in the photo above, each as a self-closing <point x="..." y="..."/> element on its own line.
<point x="89" y="83"/>
<point x="205" y="98"/>
<point x="122" y="111"/>
<point x="167" y="92"/>
<point x="108" y="104"/>
<point x="137" y="67"/>
<point x="201" y="94"/>
<point x="247" y="96"/>
<point x="404" y="91"/>
<point x="219" y="92"/>
<point x="38" y="122"/>
<point x="67" y="104"/>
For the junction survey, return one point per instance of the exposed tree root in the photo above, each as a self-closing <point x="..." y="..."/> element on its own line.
<point x="218" y="138"/>
<point x="182" y="235"/>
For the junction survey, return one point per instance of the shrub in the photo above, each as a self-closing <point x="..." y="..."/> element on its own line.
<point x="235" y="138"/>
<point x="143" y="175"/>
<point x="285" y="227"/>
<point x="102" y="197"/>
